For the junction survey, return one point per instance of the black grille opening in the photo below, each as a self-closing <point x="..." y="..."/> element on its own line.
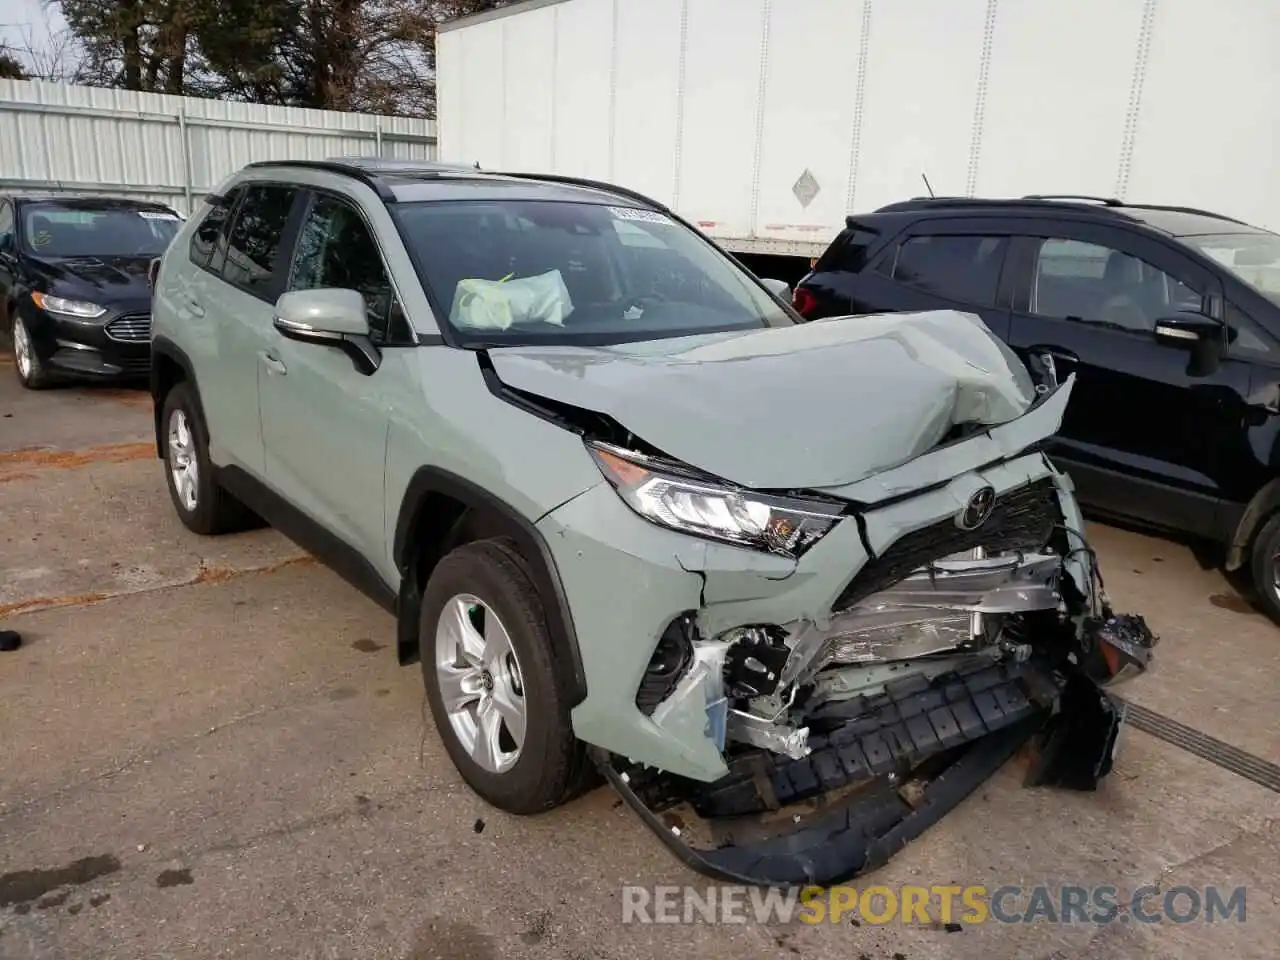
<point x="1022" y="519"/>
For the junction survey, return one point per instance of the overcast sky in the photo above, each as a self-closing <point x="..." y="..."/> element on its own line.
<point x="28" y="22"/>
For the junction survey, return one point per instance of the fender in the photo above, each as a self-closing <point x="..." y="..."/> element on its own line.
<point x="507" y="522"/>
<point x="1265" y="502"/>
<point x="164" y="347"/>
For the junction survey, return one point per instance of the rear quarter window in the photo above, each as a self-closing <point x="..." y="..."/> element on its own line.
<point x="849" y="250"/>
<point x="961" y="268"/>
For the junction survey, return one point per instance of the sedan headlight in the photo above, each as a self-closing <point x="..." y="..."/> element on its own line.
<point x="68" y="308"/>
<point x="692" y="504"/>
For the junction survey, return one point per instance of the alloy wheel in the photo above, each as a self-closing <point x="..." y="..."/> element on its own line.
<point x="23" y="351"/>
<point x="481" y="685"/>
<point x="184" y="468"/>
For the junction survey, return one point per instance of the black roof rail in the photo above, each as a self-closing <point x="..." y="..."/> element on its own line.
<point x="1105" y="201"/>
<point x="584" y="182"/>
<point x="332" y="166"/>
<point x="1194" y="211"/>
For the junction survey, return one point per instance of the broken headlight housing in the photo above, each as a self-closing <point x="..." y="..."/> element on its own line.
<point x="681" y="499"/>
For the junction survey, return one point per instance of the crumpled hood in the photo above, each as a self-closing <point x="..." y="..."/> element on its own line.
<point x="819" y="404"/>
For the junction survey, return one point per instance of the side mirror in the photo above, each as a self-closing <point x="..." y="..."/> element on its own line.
<point x="779" y="289"/>
<point x="6" y="243"/>
<point x="331" y="318"/>
<point x="1203" y="336"/>
<point x="1187" y="329"/>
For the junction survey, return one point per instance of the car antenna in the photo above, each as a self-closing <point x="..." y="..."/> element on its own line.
<point x="925" y="177"/>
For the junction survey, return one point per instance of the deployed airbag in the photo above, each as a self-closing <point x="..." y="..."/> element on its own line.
<point x="498" y="304"/>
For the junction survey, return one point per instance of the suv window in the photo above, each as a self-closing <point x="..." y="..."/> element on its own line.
<point x="849" y="252"/>
<point x="336" y="250"/>
<point x="254" y="239"/>
<point x="1082" y="281"/>
<point x="965" y="268"/>
<point x="206" y="234"/>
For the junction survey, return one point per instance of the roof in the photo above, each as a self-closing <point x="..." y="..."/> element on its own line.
<point x="428" y="180"/>
<point x="1173" y="220"/>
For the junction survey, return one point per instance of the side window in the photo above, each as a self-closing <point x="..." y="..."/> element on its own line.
<point x="6" y="224"/>
<point x="210" y="228"/>
<point x="336" y="250"/>
<point x="956" y="267"/>
<point x="1096" y="284"/>
<point x="1248" y="339"/>
<point x="255" y="238"/>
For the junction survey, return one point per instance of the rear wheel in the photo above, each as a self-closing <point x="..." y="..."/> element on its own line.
<point x="31" y="371"/>
<point x="202" y="505"/>
<point x="494" y="693"/>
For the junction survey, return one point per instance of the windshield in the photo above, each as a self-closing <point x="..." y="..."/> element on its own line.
<point x="1253" y="257"/>
<point x="51" y="230"/>
<point x="508" y="272"/>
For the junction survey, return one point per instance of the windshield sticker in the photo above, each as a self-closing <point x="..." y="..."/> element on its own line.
<point x="643" y="216"/>
<point x="153" y="215"/>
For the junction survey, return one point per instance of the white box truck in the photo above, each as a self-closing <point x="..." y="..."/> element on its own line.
<point x="766" y="122"/>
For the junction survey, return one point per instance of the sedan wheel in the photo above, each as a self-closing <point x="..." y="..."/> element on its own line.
<point x="481" y="686"/>
<point x="26" y="362"/>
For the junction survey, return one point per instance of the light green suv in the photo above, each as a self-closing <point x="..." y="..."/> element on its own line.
<point x="633" y="515"/>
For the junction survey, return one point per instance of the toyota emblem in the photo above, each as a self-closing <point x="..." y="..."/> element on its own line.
<point x="977" y="510"/>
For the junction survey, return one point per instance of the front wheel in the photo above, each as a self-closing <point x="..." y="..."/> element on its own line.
<point x="494" y="693"/>
<point x="30" y="369"/>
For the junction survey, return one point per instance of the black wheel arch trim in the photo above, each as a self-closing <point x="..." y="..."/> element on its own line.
<point x="541" y="565"/>
<point x="1264" y="503"/>
<point x="164" y="347"/>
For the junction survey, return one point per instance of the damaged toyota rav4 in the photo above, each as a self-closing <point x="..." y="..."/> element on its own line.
<point x="794" y="589"/>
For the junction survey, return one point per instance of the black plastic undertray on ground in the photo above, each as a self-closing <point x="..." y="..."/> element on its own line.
<point x="882" y="771"/>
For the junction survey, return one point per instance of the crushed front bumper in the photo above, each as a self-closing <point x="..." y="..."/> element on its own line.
<point x="878" y="780"/>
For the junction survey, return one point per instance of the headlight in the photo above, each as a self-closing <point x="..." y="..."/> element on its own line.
<point x="695" y="505"/>
<point x="68" y="308"/>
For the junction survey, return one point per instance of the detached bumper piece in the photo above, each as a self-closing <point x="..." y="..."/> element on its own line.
<point x="882" y="771"/>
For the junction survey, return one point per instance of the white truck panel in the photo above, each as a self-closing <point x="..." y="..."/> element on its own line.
<point x="722" y="108"/>
<point x="721" y="83"/>
<point x="808" y="127"/>
<point x="1057" y="97"/>
<point x="922" y="79"/>
<point x="647" y="101"/>
<point x="1208" y="133"/>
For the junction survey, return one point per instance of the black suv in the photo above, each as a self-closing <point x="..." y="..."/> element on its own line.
<point x="1169" y="318"/>
<point x="74" y="284"/>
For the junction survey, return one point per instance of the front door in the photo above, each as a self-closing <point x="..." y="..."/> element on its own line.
<point x="324" y="422"/>
<point x="1144" y="436"/>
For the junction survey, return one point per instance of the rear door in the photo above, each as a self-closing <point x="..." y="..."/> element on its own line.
<point x="1142" y="437"/>
<point x="234" y="299"/>
<point x="954" y="264"/>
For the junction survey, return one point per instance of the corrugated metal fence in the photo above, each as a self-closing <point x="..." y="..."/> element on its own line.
<point x="61" y="138"/>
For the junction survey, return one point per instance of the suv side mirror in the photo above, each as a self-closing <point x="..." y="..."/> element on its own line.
<point x="1202" y="335"/>
<point x="6" y="244"/>
<point x="332" y="318"/>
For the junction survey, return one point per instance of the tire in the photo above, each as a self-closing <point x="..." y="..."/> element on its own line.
<point x="202" y="505"/>
<point x="26" y="362"/>
<point x="549" y="765"/>
<point x="1264" y="567"/>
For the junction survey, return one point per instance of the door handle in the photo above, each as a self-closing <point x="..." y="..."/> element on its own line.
<point x="196" y="308"/>
<point x="273" y="364"/>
